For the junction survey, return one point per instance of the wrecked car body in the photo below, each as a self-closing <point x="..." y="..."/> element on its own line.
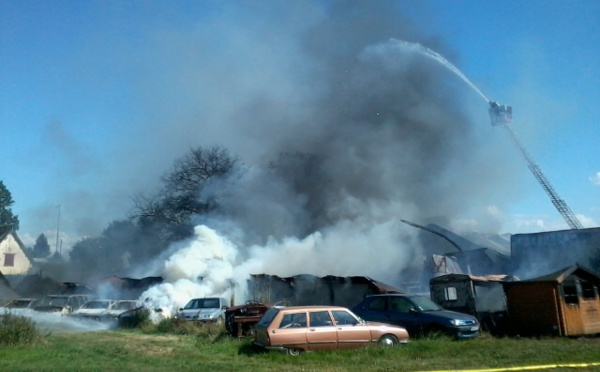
<point x="62" y="304"/>
<point x="240" y="319"/>
<point x="93" y="309"/>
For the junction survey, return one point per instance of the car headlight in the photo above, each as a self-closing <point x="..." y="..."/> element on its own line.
<point x="459" y="322"/>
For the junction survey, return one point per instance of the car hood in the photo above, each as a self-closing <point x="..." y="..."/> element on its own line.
<point x="88" y="312"/>
<point x="199" y="311"/>
<point x="115" y="312"/>
<point x="448" y="315"/>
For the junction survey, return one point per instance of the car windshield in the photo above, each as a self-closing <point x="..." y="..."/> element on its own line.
<point x="96" y="305"/>
<point x="203" y="303"/>
<point x="124" y="305"/>
<point x="425" y="304"/>
<point x="54" y="301"/>
<point x="18" y="303"/>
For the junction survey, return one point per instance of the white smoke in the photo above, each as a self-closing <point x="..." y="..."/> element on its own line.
<point x="208" y="264"/>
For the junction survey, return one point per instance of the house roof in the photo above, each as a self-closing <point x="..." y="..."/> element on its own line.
<point x="475" y="278"/>
<point x="559" y="276"/>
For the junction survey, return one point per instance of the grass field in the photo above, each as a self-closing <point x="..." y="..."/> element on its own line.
<point x="136" y="350"/>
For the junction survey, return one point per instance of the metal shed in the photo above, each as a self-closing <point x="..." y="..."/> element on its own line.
<point x="563" y="303"/>
<point x="480" y="296"/>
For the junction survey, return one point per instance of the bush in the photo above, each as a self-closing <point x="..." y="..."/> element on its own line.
<point x="207" y="331"/>
<point x="18" y="330"/>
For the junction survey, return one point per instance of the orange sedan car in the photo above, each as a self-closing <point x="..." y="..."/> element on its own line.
<point x="306" y="328"/>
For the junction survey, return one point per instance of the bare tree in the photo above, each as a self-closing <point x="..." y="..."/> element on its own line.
<point x="184" y="192"/>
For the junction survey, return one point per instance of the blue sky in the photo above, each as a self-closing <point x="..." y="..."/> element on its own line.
<point x="97" y="98"/>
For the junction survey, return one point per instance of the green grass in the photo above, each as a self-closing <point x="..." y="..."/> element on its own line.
<point x="186" y="348"/>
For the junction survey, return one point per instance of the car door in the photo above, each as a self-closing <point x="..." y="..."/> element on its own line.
<point x="322" y="333"/>
<point x="375" y="310"/>
<point x="402" y="312"/>
<point x="351" y="333"/>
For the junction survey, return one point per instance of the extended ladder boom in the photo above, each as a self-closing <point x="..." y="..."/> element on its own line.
<point x="559" y="203"/>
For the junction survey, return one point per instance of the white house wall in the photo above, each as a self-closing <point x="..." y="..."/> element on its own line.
<point x="21" y="263"/>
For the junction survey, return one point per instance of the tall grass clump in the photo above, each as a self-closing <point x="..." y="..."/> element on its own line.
<point x="18" y="330"/>
<point x="205" y="331"/>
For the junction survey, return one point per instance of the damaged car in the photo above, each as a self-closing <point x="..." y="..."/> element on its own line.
<point x="119" y="307"/>
<point x="93" y="309"/>
<point x="62" y="304"/>
<point x="418" y="314"/>
<point x="21" y="303"/>
<point x="297" y="329"/>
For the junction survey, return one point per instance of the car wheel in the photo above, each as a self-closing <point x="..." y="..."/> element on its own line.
<point x="220" y="321"/>
<point x="388" y="340"/>
<point x="292" y="351"/>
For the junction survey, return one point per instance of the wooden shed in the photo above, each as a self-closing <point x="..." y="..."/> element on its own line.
<point x="563" y="303"/>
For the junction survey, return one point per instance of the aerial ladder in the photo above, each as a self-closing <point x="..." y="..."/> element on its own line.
<point x="501" y="115"/>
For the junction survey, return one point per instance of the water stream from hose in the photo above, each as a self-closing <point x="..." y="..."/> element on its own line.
<point x="418" y="48"/>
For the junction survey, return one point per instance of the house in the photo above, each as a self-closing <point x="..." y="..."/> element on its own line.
<point x="563" y="303"/>
<point x="13" y="259"/>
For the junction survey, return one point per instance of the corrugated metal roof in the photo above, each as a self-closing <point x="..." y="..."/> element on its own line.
<point x="560" y="275"/>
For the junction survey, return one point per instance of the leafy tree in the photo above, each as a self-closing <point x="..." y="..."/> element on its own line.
<point x="41" y="249"/>
<point x="8" y="221"/>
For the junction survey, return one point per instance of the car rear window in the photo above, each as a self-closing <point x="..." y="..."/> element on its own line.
<point x="267" y="318"/>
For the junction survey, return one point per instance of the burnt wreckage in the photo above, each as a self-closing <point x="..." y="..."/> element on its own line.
<point x="268" y="291"/>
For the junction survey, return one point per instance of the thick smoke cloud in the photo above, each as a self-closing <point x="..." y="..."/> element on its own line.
<point x="343" y="133"/>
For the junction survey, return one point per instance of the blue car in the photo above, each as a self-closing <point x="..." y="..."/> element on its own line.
<point x="418" y="314"/>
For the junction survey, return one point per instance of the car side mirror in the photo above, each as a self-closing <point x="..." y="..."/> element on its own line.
<point x="413" y="310"/>
<point x="181" y="309"/>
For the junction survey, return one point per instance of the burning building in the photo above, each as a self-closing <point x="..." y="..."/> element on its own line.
<point x="538" y="253"/>
<point x="301" y="290"/>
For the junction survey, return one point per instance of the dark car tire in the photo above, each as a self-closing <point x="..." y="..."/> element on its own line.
<point x="387" y="341"/>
